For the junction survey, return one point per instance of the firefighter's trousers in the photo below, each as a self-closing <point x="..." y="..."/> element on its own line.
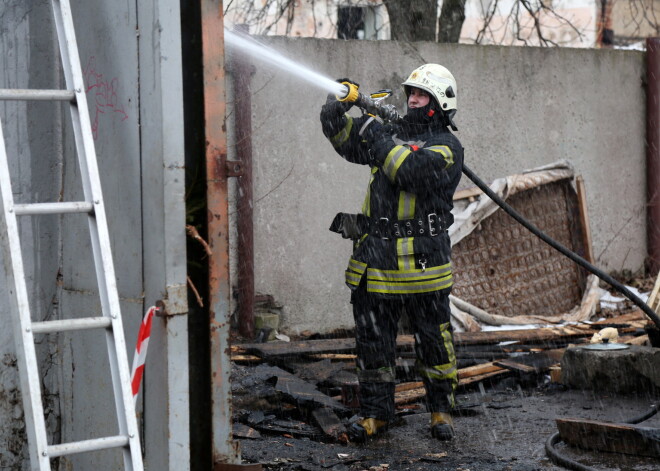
<point x="376" y="323"/>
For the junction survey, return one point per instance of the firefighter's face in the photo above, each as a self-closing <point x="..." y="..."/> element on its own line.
<point x="418" y="98"/>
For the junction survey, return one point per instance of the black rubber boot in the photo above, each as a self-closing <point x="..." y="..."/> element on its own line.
<point x="359" y="432"/>
<point x="442" y="426"/>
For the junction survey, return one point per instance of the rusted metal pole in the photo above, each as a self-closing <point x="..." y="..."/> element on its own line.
<point x="653" y="152"/>
<point x="242" y="73"/>
<point x="225" y="450"/>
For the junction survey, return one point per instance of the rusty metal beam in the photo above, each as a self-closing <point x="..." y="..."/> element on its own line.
<point x="242" y="73"/>
<point x="225" y="450"/>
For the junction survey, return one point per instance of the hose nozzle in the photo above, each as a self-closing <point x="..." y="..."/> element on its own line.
<point x="370" y="104"/>
<point x="351" y="93"/>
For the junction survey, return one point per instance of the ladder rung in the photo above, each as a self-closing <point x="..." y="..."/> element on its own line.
<point x="87" y="445"/>
<point x="36" y="95"/>
<point x="53" y="208"/>
<point x="86" y="323"/>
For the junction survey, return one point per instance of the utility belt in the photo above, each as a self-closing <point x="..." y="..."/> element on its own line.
<point x="354" y="226"/>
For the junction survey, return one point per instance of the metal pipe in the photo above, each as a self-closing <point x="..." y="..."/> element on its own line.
<point x="653" y="152"/>
<point x="242" y="75"/>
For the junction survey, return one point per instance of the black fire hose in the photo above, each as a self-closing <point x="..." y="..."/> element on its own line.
<point x="554" y="244"/>
<point x="568" y="463"/>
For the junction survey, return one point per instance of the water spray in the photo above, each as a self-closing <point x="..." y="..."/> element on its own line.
<point x="252" y="47"/>
<point x="345" y="91"/>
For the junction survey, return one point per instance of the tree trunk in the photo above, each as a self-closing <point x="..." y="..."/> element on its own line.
<point x="451" y="21"/>
<point x="412" y="20"/>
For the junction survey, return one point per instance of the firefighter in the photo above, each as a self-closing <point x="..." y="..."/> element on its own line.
<point x="401" y="248"/>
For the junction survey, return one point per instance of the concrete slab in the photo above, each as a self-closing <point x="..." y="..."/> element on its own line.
<point x="631" y="370"/>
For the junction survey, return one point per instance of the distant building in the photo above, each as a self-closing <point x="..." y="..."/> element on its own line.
<point x="567" y="23"/>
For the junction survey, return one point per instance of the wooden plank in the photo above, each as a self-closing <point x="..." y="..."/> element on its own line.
<point x="275" y="349"/>
<point x="406" y="393"/>
<point x="477" y="378"/>
<point x="476" y="370"/>
<point x="409" y="396"/>
<point x="470" y="193"/>
<point x="346" y="346"/>
<point x="296" y="390"/>
<point x="584" y="219"/>
<point x="461" y="339"/>
<point x="534" y="362"/>
<point x="515" y="366"/>
<point x="402" y="387"/>
<point x="631" y="322"/>
<point x="249" y="359"/>
<point x="626" y="318"/>
<point x="613" y="437"/>
<point x="333" y="356"/>
<point x="641" y="340"/>
<point x="243" y="431"/>
<point x="523" y="335"/>
<point x="330" y="423"/>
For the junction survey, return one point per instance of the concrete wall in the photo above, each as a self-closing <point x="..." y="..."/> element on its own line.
<point x="132" y="71"/>
<point x="518" y="108"/>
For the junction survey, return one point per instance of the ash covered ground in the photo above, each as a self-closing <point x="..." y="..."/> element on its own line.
<point x="500" y="426"/>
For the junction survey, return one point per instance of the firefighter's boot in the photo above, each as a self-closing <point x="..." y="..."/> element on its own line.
<point x="359" y="432"/>
<point x="442" y="426"/>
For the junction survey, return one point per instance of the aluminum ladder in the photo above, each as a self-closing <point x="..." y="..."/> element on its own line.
<point x="24" y="329"/>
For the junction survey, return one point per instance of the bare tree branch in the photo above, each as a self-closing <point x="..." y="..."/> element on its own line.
<point x="527" y="22"/>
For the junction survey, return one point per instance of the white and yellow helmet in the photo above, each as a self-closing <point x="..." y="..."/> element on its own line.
<point x="437" y="81"/>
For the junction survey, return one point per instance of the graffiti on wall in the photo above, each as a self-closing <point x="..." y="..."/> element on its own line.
<point x="105" y="97"/>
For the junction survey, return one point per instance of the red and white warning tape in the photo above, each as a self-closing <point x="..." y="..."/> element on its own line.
<point x="140" y="355"/>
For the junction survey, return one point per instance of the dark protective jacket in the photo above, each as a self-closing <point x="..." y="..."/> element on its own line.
<point x="413" y="186"/>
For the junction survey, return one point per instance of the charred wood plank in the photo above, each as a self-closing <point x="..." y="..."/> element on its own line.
<point x="302" y="393"/>
<point x="534" y="363"/>
<point x="612" y="437"/>
<point x="515" y="366"/>
<point x="330" y="423"/>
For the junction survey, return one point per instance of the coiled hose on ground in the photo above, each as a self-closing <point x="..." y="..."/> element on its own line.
<point x="558" y="459"/>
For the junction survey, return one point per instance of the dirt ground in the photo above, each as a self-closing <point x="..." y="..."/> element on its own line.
<point x="500" y="427"/>
<point x="500" y="424"/>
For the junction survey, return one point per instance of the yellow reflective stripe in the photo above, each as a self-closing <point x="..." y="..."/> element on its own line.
<point x="366" y="206"/>
<point x="394" y="160"/>
<point x="342" y="136"/>
<point x="405" y="253"/>
<point x="357" y="244"/>
<point x="395" y="287"/>
<point x="445" y="332"/>
<point x="354" y="272"/>
<point x="411" y="274"/>
<point x="446" y="153"/>
<point x="357" y="266"/>
<point x="446" y="371"/>
<point x="406" y="208"/>
<point x="352" y="278"/>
